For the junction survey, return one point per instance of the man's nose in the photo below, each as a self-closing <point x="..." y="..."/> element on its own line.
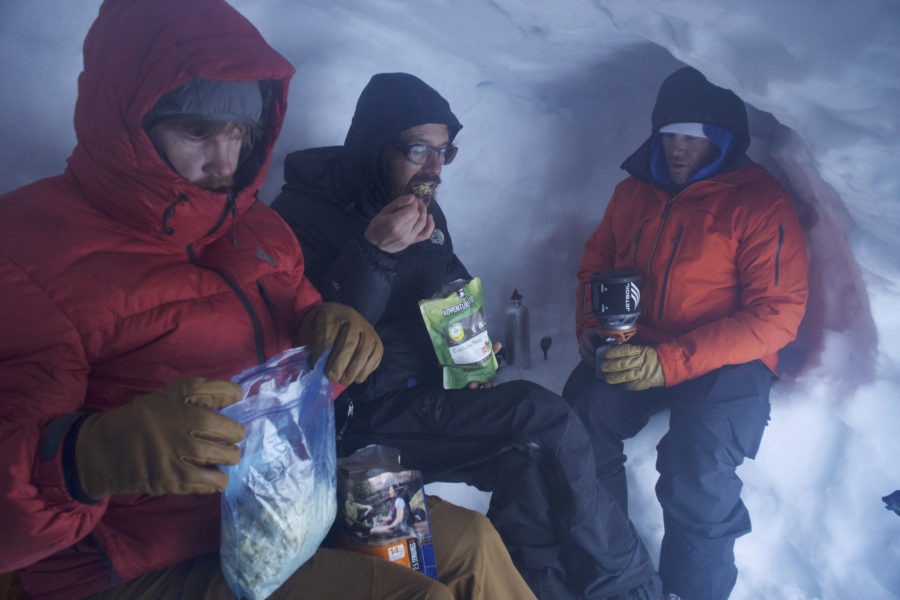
<point x="222" y="158"/>
<point x="433" y="164"/>
<point x="678" y="144"/>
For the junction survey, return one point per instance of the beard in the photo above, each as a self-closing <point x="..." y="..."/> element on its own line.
<point x="216" y="184"/>
<point x="419" y="179"/>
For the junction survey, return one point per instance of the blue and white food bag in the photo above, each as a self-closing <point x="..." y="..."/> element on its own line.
<point x="281" y="497"/>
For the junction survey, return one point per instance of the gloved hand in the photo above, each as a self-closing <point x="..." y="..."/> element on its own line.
<point x="356" y="348"/>
<point x="166" y="442"/>
<point x="636" y="368"/>
<point x="587" y="342"/>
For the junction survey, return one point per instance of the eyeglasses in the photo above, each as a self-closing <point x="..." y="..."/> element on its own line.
<point x="418" y="154"/>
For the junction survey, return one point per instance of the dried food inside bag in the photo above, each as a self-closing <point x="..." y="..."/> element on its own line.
<point x="280" y="500"/>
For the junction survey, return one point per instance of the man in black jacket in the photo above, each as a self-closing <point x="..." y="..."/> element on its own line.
<point x="374" y="237"/>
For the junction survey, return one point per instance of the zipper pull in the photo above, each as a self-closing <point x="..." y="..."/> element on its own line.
<point x="340" y="434"/>
<point x="233" y="205"/>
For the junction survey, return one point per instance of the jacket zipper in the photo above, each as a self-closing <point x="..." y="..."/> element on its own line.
<point x="273" y="310"/>
<point x="662" y="222"/>
<point x="637" y="242"/>
<point x="254" y="318"/>
<point x="231" y="208"/>
<point x="665" y="285"/>
<point x="778" y="253"/>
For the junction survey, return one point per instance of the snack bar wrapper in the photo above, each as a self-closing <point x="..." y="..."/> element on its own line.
<point x="381" y="509"/>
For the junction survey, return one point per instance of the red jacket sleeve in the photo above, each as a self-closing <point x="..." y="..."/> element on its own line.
<point x="43" y="375"/>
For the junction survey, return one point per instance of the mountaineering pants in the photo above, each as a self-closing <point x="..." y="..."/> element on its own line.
<point x="565" y="533"/>
<point x="716" y="421"/>
<point x="471" y="560"/>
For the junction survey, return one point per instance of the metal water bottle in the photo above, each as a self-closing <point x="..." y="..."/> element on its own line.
<point x="517" y="345"/>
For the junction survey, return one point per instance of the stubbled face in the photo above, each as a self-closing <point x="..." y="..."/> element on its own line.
<point x="208" y="162"/>
<point x="686" y="154"/>
<point x="402" y="175"/>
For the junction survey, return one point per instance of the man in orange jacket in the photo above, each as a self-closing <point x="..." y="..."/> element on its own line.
<point x="722" y="257"/>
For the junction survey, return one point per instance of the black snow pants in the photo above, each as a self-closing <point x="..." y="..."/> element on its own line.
<point x="716" y="421"/>
<point x="566" y="534"/>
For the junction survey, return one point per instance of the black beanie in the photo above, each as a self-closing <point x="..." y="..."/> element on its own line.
<point x="686" y="96"/>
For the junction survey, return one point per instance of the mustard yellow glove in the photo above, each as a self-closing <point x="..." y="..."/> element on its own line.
<point x="636" y="368"/>
<point x="165" y="442"/>
<point x="356" y="348"/>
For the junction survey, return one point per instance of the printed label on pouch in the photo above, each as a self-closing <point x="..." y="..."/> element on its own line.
<point x="397" y="552"/>
<point x="458" y="330"/>
<point x="472" y="351"/>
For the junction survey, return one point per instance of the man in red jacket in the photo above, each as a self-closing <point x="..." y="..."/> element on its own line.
<point x="133" y="286"/>
<point x="723" y="262"/>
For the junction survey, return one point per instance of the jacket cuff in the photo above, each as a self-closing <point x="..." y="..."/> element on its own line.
<point x="69" y="466"/>
<point x="379" y="258"/>
<point x="55" y="470"/>
<point x="671" y="373"/>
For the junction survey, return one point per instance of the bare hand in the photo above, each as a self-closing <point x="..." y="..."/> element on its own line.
<point x="403" y="222"/>
<point x="475" y="385"/>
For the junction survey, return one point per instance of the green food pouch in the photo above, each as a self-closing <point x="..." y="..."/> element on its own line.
<point x="457" y="327"/>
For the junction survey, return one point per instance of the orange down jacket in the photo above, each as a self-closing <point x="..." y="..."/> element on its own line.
<point x="723" y="265"/>
<point x="118" y="277"/>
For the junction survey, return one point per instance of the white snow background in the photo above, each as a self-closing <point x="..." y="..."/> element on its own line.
<point x="553" y="96"/>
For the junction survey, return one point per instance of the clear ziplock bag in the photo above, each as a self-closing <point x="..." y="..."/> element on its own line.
<point x="280" y="500"/>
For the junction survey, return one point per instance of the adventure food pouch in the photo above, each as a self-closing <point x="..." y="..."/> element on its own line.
<point x="457" y="327"/>
<point x="382" y="511"/>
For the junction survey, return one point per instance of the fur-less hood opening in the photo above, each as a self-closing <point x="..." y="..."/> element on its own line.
<point x="686" y="96"/>
<point x="135" y="53"/>
<point x="389" y="104"/>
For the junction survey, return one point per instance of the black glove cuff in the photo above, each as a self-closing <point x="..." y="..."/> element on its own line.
<point x="69" y="468"/>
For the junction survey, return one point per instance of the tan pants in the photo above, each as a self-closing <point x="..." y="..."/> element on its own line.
<point x="472" y="564"/>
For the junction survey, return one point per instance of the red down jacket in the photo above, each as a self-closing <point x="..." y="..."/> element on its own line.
<point x="118" y="277"/>
<point x="723" y="265"/>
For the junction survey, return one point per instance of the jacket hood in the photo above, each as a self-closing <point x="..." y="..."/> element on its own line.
<point x="136" y="52"/>
<point x="390" y="103"/>
<point x="686" y="96"/>
<point x="316" y="173"/>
